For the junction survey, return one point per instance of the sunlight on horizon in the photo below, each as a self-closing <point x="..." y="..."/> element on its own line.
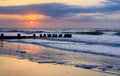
<point x="31" y="22"/>
<point x="33" y="16"/>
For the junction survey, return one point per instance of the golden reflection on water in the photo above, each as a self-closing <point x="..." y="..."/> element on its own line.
<point x="13" y="67"/>
<point x="29" y="48"/>
<point x="32" y="49"/>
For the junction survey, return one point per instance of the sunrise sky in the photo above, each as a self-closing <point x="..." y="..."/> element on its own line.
<point x="60" y="14"/>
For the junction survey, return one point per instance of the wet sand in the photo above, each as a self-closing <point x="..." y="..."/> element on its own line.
<point x="42" y="61"/>
<point x="10" y="66"/>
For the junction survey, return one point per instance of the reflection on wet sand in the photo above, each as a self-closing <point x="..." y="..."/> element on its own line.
<point x="17" y="46"/>
<point x="10" y="66"/>
<point x="42" y="54"/>
<point x="1" y="43"/>
<point x="39" y="53"/>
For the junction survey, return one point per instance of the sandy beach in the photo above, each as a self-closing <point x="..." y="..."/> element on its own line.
<point x="32" y="60"/>
<point x="11" y="66"/>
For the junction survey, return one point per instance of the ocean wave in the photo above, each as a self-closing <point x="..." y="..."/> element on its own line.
<point x="75" y="47"/>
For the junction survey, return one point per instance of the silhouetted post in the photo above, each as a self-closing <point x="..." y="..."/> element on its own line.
<point x="2" y="35"/>
<point x="49" y="35"/>
<point x="18" y="35"/>
<point x="34" y="35"/>
<point x="44" y="35"/>
<point x="40" y="35"/>
<point x="60" y="35"/>
<point x="54" y="35"/>
<point x="67" y="35"/>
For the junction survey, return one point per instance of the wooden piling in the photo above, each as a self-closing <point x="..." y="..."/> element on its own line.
<point x="49" y="35"/>
<point x="34" y="35"/>
<point x="54" y="35"/>
<point x="44" y="35"/>
<point x="67" y="35"/>
<point x="40" y="35"/>
<point x="2" y="35"/>
<point x="60" y="35"/>
<point x="18" y="35"/>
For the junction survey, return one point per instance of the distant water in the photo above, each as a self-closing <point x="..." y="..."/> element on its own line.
<point x="107" y="44"/>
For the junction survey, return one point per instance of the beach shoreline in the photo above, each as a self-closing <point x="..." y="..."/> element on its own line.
<point x="11" y="66"/>
<point x="42" y="55"/>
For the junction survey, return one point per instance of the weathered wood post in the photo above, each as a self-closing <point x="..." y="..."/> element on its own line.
<point x="60" y="35"/>
<point x="54" y="35"/>
<point x="67" y="35"/>
<point x="18" y="35"/>
<point x="2" y="35"/>
<point x="49" y="35"/>
<point x="34" y="35"/>
<point x="40" y="35"/>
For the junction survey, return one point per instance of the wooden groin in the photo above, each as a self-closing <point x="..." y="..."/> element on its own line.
<point x="20" y="36"/>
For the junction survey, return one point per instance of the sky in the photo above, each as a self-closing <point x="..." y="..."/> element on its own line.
<point x="60" y="14"/>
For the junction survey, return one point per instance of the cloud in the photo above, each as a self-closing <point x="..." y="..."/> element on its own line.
<point x="58" y="9"/>
<point x="113" y="1"/>
<point x="64" y="12"/>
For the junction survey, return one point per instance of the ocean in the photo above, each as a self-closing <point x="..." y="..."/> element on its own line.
<point x="107" y="44"/>
<point x="101" y="46"/>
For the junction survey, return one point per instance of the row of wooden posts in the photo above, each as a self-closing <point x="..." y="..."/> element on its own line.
<point x="2" y="36"/>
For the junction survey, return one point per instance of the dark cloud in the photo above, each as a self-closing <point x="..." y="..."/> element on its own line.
<point x="93" y="19"/>
<point x="81" y="19"/>
<point x="58" y="9"/>
<point x="113" y="1"/>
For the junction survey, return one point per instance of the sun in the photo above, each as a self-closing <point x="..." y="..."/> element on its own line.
<point x="31" y="22"/>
